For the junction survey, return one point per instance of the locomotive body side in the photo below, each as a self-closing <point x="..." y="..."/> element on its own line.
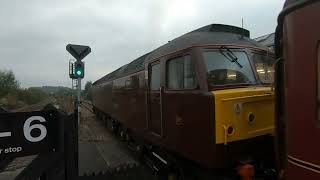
<point x="298" y="116"/>
<point x="180" y="118"/>
<point x="172" y="104"/>
<point x="123" y="99"/>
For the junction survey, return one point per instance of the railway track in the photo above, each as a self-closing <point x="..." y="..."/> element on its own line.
<point x="87" y="105"/>
<point x="109" y="148"/>
<point x="133" y="158"/>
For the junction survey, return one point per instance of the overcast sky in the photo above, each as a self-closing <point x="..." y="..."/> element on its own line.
<point x="33" y="34"/>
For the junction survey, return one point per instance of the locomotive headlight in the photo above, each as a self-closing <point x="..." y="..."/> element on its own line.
<point x="230" y="131"/>
<point x="251" y="118"/>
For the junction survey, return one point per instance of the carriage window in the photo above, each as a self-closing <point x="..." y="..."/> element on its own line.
<point x="181" y="73"/>
<point x="228" y="68"/>
<point x="155" y="77"/>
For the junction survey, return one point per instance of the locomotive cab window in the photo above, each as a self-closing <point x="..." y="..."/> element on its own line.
<point x="181" y="73"/>
<point x="228" y="67"/>
<point x="264" y="67"/>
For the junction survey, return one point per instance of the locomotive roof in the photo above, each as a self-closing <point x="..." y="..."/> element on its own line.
<point x="132" y="67"/>
<point x="211" y="34"/>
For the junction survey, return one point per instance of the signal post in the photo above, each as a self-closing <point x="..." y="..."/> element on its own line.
<point x="76" y="71"/>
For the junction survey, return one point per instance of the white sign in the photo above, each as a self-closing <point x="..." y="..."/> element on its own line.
<point x="5" y="134"/>
<point x="27" y="128"/>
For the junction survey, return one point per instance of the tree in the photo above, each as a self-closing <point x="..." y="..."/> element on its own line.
<point x="8" y="83"/>
<point x="32" y="95"/>
<point x="87" y="90"/>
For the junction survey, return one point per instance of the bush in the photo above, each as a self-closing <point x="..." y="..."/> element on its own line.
<point x="12" y="96"/>
<point x="8" y="83"/>
<point x="32" y="95"/>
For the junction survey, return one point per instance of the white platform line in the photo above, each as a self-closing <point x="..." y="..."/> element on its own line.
<point x="5" y="134"/>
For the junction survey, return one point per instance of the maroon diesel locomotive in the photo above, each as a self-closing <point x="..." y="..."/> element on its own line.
<point x="203" y="98"/>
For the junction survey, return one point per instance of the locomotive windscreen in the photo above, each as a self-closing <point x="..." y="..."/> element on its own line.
<point x="228" y="67"/>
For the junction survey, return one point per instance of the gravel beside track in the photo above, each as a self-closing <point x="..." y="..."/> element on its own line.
<point x="107" y="151"/>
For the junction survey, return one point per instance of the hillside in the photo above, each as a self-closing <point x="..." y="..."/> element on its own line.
<point x="55" y="89"/>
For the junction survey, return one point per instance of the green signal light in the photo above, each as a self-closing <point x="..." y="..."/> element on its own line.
<point x="79" y="72"/>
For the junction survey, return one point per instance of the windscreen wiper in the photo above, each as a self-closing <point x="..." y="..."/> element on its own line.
<point x="229" y="55"/>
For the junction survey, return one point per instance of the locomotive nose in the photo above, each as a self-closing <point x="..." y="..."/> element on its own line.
<point x="243" y="113"/>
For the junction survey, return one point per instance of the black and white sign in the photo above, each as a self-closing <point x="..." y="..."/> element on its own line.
<point x="26" y="133"/>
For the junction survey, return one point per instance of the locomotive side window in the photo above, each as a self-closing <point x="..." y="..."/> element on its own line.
<point x="228" y="68"/>
<point x="155" y="77"/>
<point x="181" y="73"/>
<point x="264" y="67"/>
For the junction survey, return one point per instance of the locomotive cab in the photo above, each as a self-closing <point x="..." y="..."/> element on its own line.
<point x="213" y="101"/>
<point x="240" y="81"/>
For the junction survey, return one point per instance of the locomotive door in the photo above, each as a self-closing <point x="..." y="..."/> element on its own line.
<point x="155" y="99"/>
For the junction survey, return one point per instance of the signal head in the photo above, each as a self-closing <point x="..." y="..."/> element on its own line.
<point x="79" y="69"/>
